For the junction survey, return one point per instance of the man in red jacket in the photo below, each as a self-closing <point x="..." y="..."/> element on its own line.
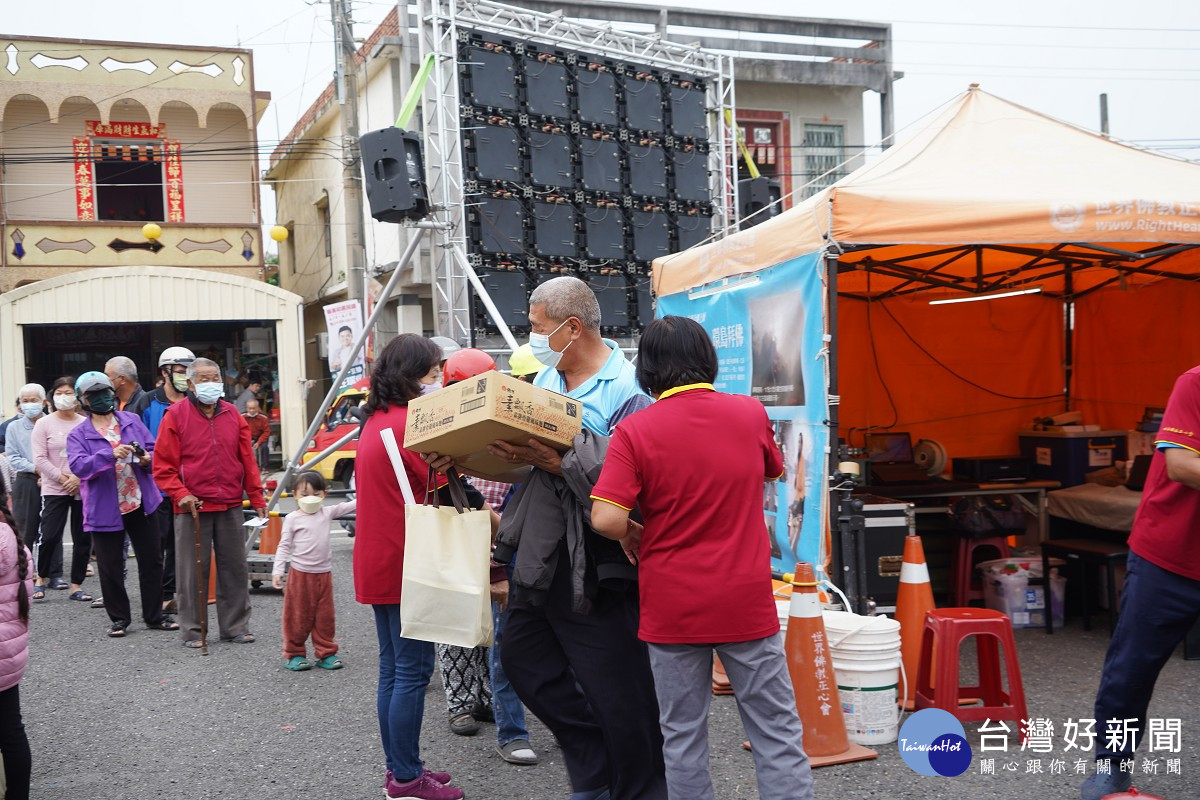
<point x="204" y="463"/>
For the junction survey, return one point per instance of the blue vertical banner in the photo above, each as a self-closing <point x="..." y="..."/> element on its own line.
<point x="768" y="330"/>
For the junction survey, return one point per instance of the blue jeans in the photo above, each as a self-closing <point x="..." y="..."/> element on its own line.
<point x="405" y="666"/>
<point x="1158" y="607"/>
<point x="506" y="706"/>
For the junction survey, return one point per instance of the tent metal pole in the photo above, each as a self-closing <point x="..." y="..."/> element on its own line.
<point x="1068" y="336"/>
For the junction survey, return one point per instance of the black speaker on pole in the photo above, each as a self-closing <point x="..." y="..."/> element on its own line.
<point x="395" y="175"/>
<point x="755" y="194"/>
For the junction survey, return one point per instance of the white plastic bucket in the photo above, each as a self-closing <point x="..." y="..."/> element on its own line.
<point x="865" y="653"/>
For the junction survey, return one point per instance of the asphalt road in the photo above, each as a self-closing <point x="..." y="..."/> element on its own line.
<point x="143" y="717"/>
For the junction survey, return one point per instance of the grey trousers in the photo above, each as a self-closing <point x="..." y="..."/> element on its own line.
<point x="222" y="529"/>
<point x="763" y="690"/>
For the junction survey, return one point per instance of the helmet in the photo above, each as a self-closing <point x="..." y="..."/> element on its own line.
<point x="522" y="362"/>
<point x="466" y="364"/>
<point x="92" y="381"/>
<point x="176" y="355"/>
<point x="448" y="345"/>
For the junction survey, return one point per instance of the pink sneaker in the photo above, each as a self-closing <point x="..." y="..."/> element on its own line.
<point x="423" y="787"/>
<point x="440" y="777"/>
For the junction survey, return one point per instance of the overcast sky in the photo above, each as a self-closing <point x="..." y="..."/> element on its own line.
<point x="1054" y="57"/>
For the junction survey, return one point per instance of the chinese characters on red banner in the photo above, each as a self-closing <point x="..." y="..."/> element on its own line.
<point x="85" y="184"/>
<point x="85" y="201"/>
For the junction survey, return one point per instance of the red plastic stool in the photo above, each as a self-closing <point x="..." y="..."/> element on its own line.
<point x="964" y="569"/>
<point x="947" y="628"/>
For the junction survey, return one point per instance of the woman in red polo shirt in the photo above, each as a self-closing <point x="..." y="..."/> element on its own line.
<point x="694" y="464"/>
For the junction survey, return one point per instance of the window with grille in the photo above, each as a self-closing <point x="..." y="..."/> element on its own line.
<point x="824" y="151"/>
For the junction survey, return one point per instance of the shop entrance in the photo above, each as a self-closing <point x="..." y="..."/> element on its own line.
<point x="245" y="349"/>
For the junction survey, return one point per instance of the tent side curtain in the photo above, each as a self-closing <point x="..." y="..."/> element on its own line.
<point x="923" y="356"/>
<point x="1130" y="347"/>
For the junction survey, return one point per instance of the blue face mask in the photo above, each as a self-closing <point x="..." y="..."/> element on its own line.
<point x="539" y="345"/>
<point x="31" y="410"/>
<point x="209" y="393"/>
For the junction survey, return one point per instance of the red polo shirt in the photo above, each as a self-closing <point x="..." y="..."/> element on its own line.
<point x="1166" y="530"/>
<point x="694" y="464"/>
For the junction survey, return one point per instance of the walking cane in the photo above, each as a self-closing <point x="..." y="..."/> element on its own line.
<point x="201" y="595"/>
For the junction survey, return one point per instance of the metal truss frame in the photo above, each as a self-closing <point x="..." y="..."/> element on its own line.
<point x="440" y="24"/>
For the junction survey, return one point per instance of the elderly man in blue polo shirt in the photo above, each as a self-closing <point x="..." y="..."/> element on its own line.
<point x="570" y="644"/>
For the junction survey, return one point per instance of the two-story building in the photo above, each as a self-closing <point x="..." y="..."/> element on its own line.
<point x="98" y="139"/>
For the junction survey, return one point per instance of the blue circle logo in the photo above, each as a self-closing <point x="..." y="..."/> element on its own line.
<point x="933" y="742"/>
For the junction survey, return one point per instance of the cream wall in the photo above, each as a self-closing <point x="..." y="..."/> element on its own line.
<point x="217" y="189"/>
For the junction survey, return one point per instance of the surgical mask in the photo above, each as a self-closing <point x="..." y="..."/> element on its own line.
<point x="209" y="393"/>
<point x="252" y="414"/>
<point x="64" y="402"/>
<point x="430" y="388"/>
<point x="539" y="344"/>
<point x="310" y="503"/>
<point x="31" y="410"/>
<point x="179" y="382"/>
<point x="102" y="403"/>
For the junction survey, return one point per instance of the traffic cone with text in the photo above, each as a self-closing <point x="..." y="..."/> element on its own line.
<point x="813" y="679"/>
<point x="913" y="601"/>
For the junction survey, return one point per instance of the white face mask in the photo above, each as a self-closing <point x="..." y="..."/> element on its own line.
<point x="430" y="388"/>
<point x="310" y="503"/>
<point x="539" y="344"/>
<point x="64" y="402"/>
<point x="209" y="393"/>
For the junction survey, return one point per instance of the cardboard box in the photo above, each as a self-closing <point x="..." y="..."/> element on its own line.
<point x="463" y="419"/>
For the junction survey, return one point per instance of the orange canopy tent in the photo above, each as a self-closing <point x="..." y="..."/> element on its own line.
<point x="990" y="197"/>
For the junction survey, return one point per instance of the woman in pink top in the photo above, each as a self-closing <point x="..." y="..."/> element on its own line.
<point x="60" y="489"/>
<point x="15" y="588"/>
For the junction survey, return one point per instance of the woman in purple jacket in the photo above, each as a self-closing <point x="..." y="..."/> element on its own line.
<point x="110" y="453"/>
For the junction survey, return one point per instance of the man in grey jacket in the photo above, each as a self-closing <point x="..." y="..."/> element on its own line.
<point x="570" y="645"/>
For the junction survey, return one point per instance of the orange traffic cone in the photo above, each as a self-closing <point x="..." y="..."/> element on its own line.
<point x="813" y="679"/>
<point x="913" y="601"/>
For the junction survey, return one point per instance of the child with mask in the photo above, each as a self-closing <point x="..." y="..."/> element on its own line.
<point x="308" y="602"/>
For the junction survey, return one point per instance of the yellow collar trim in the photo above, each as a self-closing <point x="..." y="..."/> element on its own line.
<point x="688" y="388"/>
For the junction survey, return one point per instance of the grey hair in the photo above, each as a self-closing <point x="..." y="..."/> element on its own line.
<point x="564" y="297"/>
<point x="201" y="362"/>
<point x="122" y="365"/>
<point x="35" y="388"/>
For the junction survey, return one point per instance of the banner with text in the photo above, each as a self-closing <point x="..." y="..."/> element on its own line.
<point x="768" y="331"/>
<point x="344" y="322"/>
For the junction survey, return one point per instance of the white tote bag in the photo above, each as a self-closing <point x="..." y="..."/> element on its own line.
<point x="446" y="594"/>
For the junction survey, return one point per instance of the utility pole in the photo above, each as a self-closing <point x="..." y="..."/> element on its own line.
<point x="1104" y="115"/>
<point x="352" y="190"/>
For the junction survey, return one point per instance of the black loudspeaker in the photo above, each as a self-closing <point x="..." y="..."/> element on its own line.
<point x="395" y="175"/>
<point x="754" y="194"/>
